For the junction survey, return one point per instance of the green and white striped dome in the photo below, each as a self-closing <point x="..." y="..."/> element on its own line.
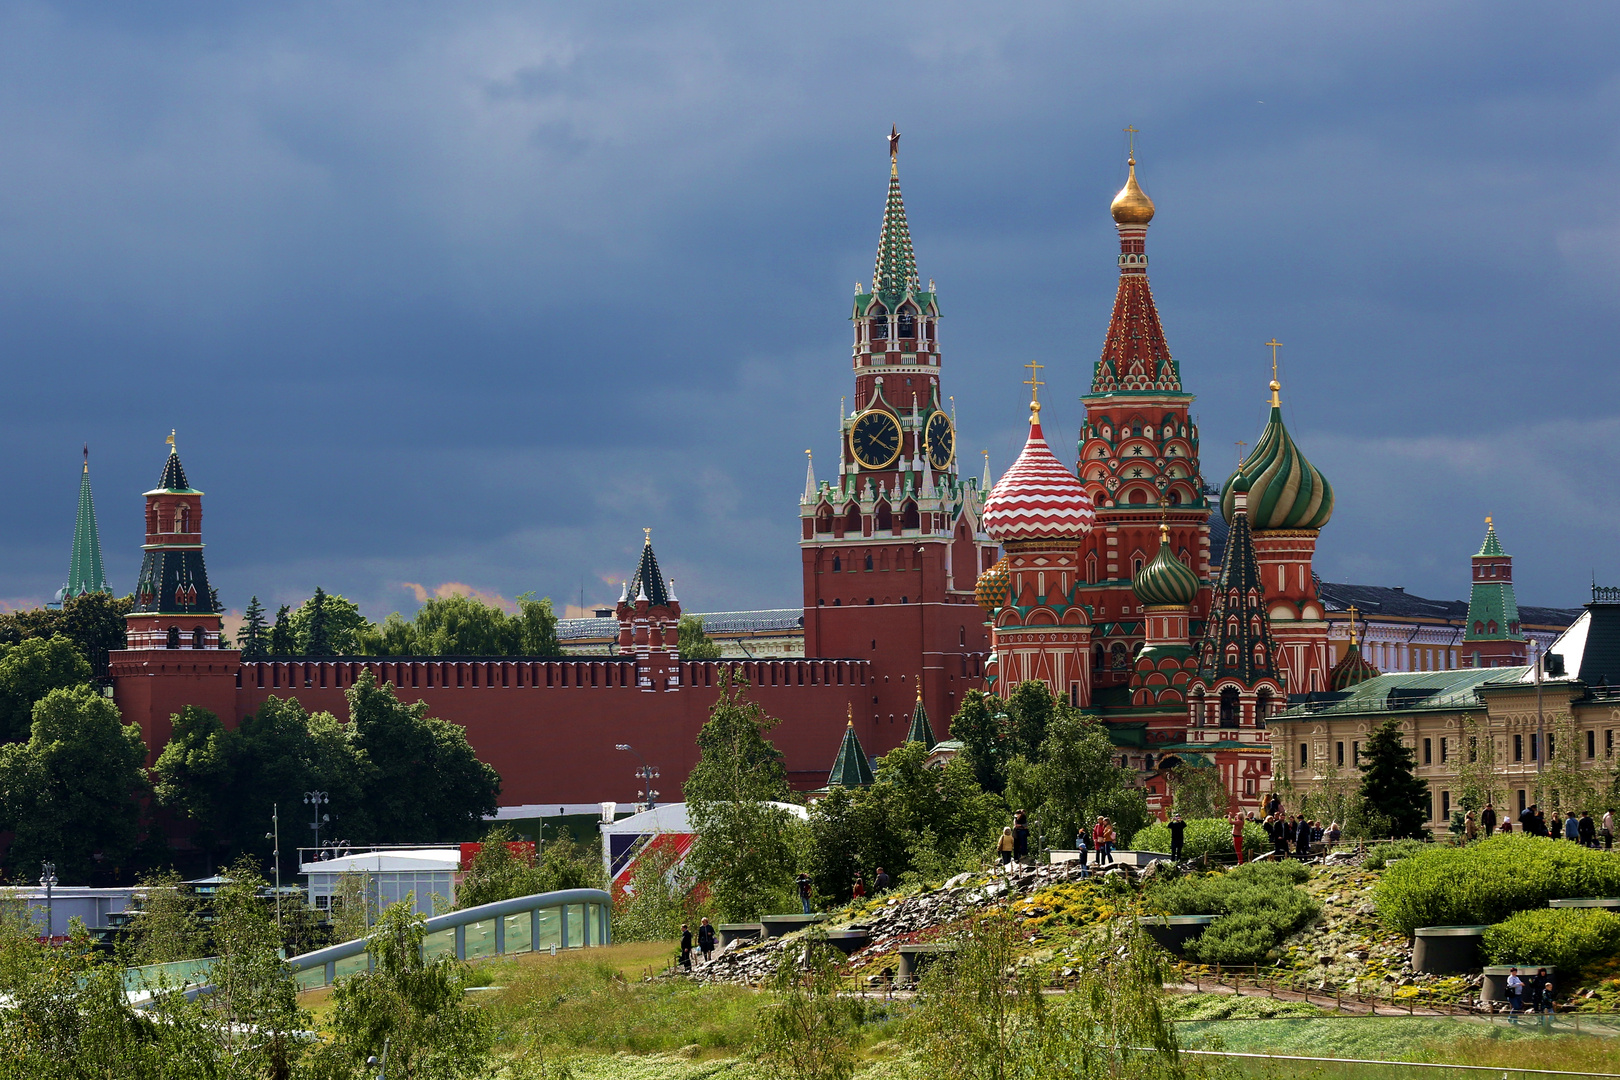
<point x="1166" y="581"/>
<point x="1285" y="490"/>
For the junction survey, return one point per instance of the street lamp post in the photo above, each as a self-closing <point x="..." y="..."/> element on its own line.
<point x="47" y="878"/>
<point x="315" y="800"/>
<point x="274" y="835"/>
<point x="646" y="774"/>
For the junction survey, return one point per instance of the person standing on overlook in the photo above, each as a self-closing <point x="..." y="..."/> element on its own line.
<point x="1487" y="818"/>
<point x="1237" y="836"/>
<point x="1178" y="837"/>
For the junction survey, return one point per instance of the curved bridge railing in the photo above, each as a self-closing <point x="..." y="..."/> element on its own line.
<point x="544" y="922"/>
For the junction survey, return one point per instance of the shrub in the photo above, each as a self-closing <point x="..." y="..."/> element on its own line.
<point x="1383" y="854"/>
<point x="1487" y="881"/>
<point x="1205" y="836"/>
<point x="1258" y="904"/>
<point x="1565" y="937"/>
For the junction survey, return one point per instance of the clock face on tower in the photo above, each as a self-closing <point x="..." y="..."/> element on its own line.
<point x="874" y="439"/>
<point x="941" y="441"/>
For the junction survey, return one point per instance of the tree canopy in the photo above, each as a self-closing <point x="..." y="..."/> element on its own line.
<point x="1396" y="799"/>
<point x="71" y="792"/>
<point x="1074" y="775"/>
<point x="93" y="622"/>
<point x="31" y="669"/>
<point x="459" y="625"/>
<point x="694" y="643"/>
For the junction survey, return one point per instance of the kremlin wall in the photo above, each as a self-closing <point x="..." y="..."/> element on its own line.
<point x="920" y="584"/>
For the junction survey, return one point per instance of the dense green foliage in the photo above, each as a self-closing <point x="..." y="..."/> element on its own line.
<point x="918" y="823"/>
<point x="1258" y="903"/>
<point x="746" y="847"/>
<point x="1487" y="881"/>
<point x="1072" y="776"/>
<point x="394" y="774"/>
<point x="503" y="869"/>
<point x="254" y="636"/>
<point x="694" y="643"/>
<point x="1565" y="937"/>
<point x="983" y="1016"/>
<point x="71" y="792"/>
<point x="812" y="1029"/>
<point x="993" y="732"/>
<point x="1381" y="855"/>
<point x="31" y="669"/>
<point x="94" y="622"/>
<point x="1198" y="792"/>
<point x="1395" y="800"/>
<point x="458" y="625"/>
<point x="1205" y="836"/>
<point x="411" y="1012"/>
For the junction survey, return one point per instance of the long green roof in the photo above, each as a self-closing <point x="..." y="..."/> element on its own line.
<point x="1410" y="691"/>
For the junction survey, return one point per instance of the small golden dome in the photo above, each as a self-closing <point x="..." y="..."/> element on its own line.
<point x="1132" y="206"/>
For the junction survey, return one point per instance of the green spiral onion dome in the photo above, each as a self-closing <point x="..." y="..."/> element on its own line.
<point x="1166" y="581"/>
<point x="1351" y="669"/>
<point x="1285" y="490"/>
<point x="991" y="591"/>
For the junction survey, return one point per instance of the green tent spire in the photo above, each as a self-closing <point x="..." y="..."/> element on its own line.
<point x="851" y="770"/>
<point x="921" y="730"/>
<point x="895" y="272"/>
<point x="85" y="575"/>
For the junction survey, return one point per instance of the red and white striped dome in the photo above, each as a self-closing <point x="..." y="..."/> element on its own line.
<point x="1038" y="498"/>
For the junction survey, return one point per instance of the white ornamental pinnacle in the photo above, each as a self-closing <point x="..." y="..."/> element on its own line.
<point x="809" y="479"/>
<point x="641" y="592"/>
<point x="624" y="592"/>
<point x="672" y="596"/>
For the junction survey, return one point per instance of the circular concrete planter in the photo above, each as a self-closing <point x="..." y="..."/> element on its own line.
<point x="850" y="940"/>
<point x="913" y="957"/>
<point x="1172" y="932"/>
<point x="1496" y="977"/>
<point x="1611" y="902"/>
<point x="781" y="925"/>
<point x="1447" y="950"/>
<point x="740" y="931"/>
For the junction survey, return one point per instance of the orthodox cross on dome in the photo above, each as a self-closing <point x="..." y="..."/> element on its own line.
<point x="1242" y="446"/>
<point x="170" y="441"/>
<point x="1034" y="382"/>
<point x="1130" y="136"/>
<point x="1353" y="613"/>
<point x="1274" y="345"/>
<point x="894" y="148"/>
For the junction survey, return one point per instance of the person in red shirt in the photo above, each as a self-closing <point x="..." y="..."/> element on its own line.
<point x="1237" y="836"/>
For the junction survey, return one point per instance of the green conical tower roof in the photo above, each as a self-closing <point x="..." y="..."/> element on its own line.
<point x="1492" y="546"/>
<point x="921" y="730"/>
<point x="895" y="272"/>
<point x="851" y="770"/>
<point x="1493" y="607"/>
<point x="85" y="575"/>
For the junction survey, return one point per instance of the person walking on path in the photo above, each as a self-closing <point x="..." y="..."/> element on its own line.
<point x="1004" y="846"/>
<point x="1237" y="836"/>
<point x="859" y="890"/>
<point x="1515" y="990"/>
<point x="1020" y="837"/>
<point x="1080" y="846"/>
<point x="1608" y="830"/>
<point x="1546" y="983"/>
<point x="1302" y="839"/>
<point x="705" y="939"/>
<point x="1178" y="836"/>
<point x="1487" y="818"/>
<point x="880" y="884"/>
<point x="1572" y="827"/>
<point x="803" y="881"/>
<point x="1527" y="819"/>
<point x="1470" y="828"/>
<point x="1102" y="838"/>
<point x="1588" y="830"/>
<point x="686" y="947"/>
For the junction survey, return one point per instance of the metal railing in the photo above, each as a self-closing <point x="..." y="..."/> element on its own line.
<point x="553" y="921"/>
<point x="568" y="919"/>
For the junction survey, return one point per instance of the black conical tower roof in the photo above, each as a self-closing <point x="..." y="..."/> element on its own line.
<point x="649" y="579"/>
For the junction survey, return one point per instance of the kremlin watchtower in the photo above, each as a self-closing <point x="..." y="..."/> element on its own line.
<point x="1040" y="513"/>
<point x="1492" y="637"/>
<point x="174" y="607"/>
<point x="1138" y="456"/>
<point x="897" y="535"/>
<point x="650" y="624"/>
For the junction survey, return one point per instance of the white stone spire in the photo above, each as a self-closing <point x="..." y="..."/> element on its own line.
<point x="809" y="479"/>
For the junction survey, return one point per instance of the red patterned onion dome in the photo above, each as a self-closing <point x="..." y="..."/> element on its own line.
<point x="1038" y="498"/>
<point x="991" y="591"/>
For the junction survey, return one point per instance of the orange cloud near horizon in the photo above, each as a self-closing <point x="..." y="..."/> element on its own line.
<point x="444" y="591"/>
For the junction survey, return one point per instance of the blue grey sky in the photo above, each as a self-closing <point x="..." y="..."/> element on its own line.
<point x="471" y="293"/>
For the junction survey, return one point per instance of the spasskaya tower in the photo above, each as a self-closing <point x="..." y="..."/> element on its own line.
<point x="892" y="547"/>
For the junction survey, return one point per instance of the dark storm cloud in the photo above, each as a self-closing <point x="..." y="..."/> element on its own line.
<point x="474" y="292"/>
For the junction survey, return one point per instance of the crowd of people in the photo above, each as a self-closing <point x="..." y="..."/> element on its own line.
<point x="1582" y="829"/>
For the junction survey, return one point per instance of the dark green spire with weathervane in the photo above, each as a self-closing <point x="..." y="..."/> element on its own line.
<point x="851" y="770"/>
<point x="921" y="730"/>
<point x="85" y="575"/>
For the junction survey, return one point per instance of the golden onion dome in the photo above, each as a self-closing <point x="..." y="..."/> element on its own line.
<point x="1131" y="206"/>
<point x="1166" y="581"/>
<point x="991" y="591"/>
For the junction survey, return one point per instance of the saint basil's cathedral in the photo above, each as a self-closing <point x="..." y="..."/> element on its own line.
<point x="1119" y="583"/>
